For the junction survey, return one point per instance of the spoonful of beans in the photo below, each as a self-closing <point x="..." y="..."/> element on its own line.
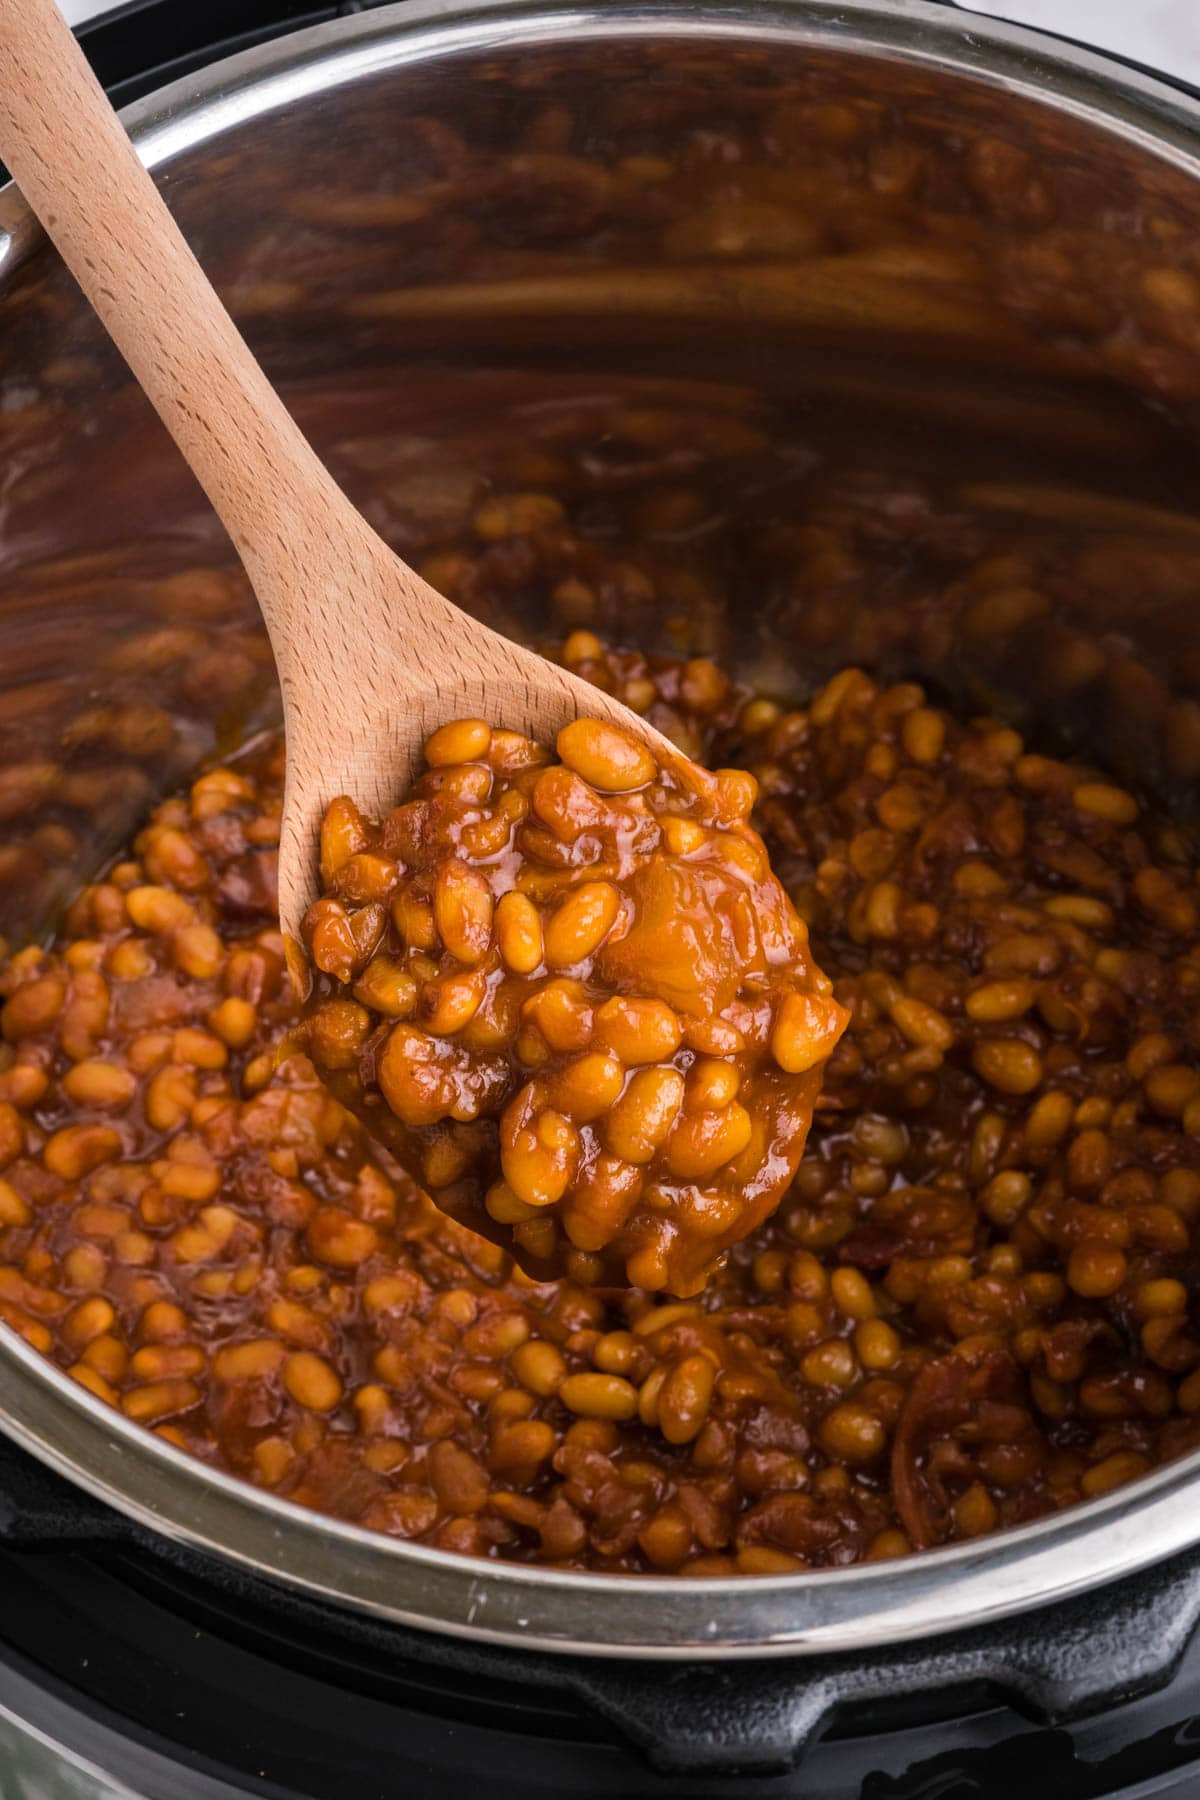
<point x="556" y="976"/>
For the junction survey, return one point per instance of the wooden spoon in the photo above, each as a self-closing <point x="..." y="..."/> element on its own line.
<point x="370" y="657"/>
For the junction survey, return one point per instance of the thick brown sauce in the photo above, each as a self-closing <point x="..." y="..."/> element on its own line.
<point x="573" y="1000"/>
<point x="975" y="1306"/>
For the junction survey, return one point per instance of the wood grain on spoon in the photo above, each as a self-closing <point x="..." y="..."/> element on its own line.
<point x="370" y="657"/>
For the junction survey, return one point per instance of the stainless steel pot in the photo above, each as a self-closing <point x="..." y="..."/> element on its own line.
<point x="274" y="162"/>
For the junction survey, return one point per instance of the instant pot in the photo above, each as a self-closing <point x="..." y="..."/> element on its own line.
<point x="167" y="1632"/>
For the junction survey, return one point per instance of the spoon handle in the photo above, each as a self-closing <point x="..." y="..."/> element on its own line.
<point x="79" y="172"/>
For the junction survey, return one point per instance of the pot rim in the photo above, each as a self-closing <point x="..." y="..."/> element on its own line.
<point x="185" y="1500"/>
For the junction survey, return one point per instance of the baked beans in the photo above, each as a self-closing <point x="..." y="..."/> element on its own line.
<point x="973" y="1306"/>
<point x="571" y="997"/>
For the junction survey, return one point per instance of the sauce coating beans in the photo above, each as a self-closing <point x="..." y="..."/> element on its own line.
<point x="573" y="1000"/>
<point x="975" y="1304"/>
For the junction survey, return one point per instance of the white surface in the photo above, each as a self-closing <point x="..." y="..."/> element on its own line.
<point x="1162" y="33"/>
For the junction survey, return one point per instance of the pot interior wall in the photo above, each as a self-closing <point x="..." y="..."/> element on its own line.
<point x="861" y="361"/>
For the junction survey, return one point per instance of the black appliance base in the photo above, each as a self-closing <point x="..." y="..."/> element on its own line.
<point x="159" y="1664"/>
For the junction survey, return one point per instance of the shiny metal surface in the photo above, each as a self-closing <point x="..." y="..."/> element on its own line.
<point x="37" y="1766"/>
<point x="146" y="1477"/>
<point x="51" y="1750"/>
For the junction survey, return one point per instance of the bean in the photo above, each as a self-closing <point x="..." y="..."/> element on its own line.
<point x="465" y="740"/>
<point x="684" y="1398"/>
<point x="158" y="910"/>
<point x="197" y="951"/>
<point x="974" y="1512"/>
<point x="579" y="646"/>
<point x="159" y="1400"/>
<point x="95" y="1384"/>
<point x="667" y="1538"/>
<point x="520" y="1449"/>
<point x="641" y="1119"/>
<point x="539" y="1367"/>
<point x="852" y="1294"/>
<point x="805" y="1030"/>
<point x="923" y="1025"/>
<point x="1008" y="1064"/>
<point x="90" y="1319"/>
<point x="169" y="1098"/>
<point x="1096" y="1270"/>
<point x="876" y="1344"/>
<point x="711" y="1085"/>
<point x="1113" y="1471"/>
<point x="343" y="834"/>
<point x="1165" y="903"/>
<point x="1102" y="801"/>
<point x="589" y="1087"/>
<point x="76" y="1150"/>
<point x="661" y="1318"/>
<point x="34" y="1006"/>
<point x="1150" y="1052"/>
<point x="519" y="933"/>
<point x="463" y="911"/>
<point x="1163" y="1298"/>
<point x="386" y="987"/>
<point x="311" y="1381"/>
<point x="255" y="1360"/>
<point x="606" y="757"/>
<point x="561" y="1012"/>
<point x="852" y="1433"/>
<point x="99" y="1084"/>
<point x="511" y="515"/>
<point x="540" y="1161"/>
<point x="459" y="1480"/>
<point x="580" y="924"/>
<point x="683" y="837"/>
<point x="599" y="1396"/>
<point x="701" y="1143"/>
<point x="335" y="1236"/>
<point x="167" y="1362"/>
<point x="1171" y="1087"/>
<point x="15" y="1210"/>
<point x="998" y="1001"/>
<point x="637" y="1031"/>
<point x="831" y="1364"/>
<point x="161" y="1320"/>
